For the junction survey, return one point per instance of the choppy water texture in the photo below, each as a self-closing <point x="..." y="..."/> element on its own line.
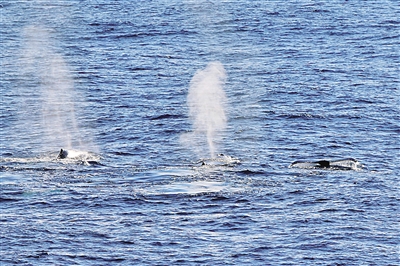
<point x="306" y="81"/>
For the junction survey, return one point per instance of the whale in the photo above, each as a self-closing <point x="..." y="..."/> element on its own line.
<point x="79" y="157"/>
<point x="63" y="154"/>
<point x="342" y="164"/>
<point x="323" y="164"/>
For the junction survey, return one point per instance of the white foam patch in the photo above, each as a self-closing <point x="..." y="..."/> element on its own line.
<point x="220" y="160"/>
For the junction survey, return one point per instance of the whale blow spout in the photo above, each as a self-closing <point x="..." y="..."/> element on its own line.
<point x="63" y="154"/>
<point x="206" y="100"/>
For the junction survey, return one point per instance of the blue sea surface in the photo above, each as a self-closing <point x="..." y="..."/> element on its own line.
<point x="108" y="81"/>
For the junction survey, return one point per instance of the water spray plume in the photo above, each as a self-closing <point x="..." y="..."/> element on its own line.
<point x="206" y="101"/>
<point x="42" y="62"/>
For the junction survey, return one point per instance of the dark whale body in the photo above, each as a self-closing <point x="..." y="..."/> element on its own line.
<point x="323" y="164"/>
<point x="63" y="154"/>
<point x="342" y="164"/>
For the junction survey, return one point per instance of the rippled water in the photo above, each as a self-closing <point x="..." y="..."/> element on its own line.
<point x="306" y="81"/>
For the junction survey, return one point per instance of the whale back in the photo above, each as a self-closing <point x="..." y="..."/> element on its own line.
<point x="63" y="154"/>
<point x="342" y="164"/>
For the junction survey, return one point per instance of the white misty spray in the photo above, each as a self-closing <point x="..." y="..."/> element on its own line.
<point x="206" y="101"/>
<point x="43" y="63"/>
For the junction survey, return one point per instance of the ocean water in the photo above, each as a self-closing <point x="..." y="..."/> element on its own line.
<point x="109" y="81"/>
